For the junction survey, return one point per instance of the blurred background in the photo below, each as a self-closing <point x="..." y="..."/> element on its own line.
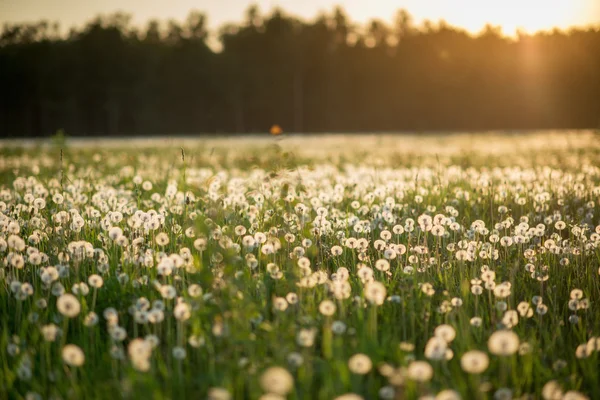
<point x="135" y="67"/>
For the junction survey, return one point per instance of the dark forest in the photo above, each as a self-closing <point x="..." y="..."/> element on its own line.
<point x="327" y="75"/>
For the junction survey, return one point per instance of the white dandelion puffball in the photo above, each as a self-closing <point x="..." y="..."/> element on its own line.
<point x="474" y="362"/>
<point x="420" y="371"/>
<point x="448" y="394"/>
<point x="349" y="396"/>
<point x="435" y="349"/>
<point x="360" y="364"/>
<point x="327" y="308"/>
<point x="182" y="311"/>
<point x="95" y="281"/>
<point x="503" y="343"/>
<point x="277" y="380"/>
<point x="218" y="393"/>
<point x="445" y="332"/>
<point x="72" y="355"/>
<point x="140" y="351"/>
<point x="375" y="292"/>
<point x="68" y="305"/>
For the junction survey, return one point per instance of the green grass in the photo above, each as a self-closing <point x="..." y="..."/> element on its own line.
<point x="234" y="331"/>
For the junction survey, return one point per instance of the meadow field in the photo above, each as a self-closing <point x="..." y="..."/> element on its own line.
<point x="462" y="266"/>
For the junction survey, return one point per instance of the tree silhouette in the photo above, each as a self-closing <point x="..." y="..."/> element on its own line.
<point x="330" y="74"/>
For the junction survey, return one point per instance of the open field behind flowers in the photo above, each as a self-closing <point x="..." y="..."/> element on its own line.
<point x="320" y="267"/>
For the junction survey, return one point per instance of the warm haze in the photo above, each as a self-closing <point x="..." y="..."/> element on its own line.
<point x="472" y="15"/>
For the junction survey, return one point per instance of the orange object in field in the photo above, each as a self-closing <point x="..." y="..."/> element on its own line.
<point x="276" y="130"/>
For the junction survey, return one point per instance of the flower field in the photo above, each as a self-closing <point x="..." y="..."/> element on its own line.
<point x="318" y="267"/>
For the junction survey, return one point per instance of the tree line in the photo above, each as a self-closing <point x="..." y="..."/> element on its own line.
<point x="326" y="75"/>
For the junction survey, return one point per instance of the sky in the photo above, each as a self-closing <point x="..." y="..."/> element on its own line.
<point x="472" y="15"/>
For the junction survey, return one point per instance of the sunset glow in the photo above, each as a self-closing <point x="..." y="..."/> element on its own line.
<point x="472" y="15"/>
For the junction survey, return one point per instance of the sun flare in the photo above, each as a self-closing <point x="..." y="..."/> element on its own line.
<point x="473" y="15"/>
